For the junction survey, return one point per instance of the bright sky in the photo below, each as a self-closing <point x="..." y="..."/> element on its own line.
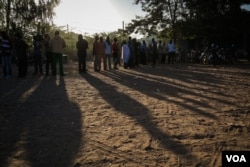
<point x="246" y="7"/>
<point x="95" y="16"/>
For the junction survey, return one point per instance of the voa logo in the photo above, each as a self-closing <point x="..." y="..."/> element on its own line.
<point x="236" y="158"/>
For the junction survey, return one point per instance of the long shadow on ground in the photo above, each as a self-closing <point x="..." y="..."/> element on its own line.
<point x="168" y="89"/>
<point x="39" y="125"/>
<point x="121" y="101"/>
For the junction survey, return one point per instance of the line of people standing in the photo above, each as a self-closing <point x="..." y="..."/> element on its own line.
<point x="135" y="53"/>
<point x="53" y="48"/>
<point x="131" y="52"/>
<point x="103" y="52"/>
<point x="17" y="48"/>
<point x="9" y="47"/>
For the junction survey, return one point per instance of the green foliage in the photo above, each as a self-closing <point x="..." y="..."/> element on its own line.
<point x="27" y="15"/>
<point x="161" y="17"/>
<point x="218" y="20"/>
<point x="212" y="20"/>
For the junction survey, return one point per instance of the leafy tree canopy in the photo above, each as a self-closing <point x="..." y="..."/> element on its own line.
<point x="185" y="19"/>
<point x="26" y="15"/>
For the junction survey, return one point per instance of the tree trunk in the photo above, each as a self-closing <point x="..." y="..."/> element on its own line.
<point x="8" y="11"/>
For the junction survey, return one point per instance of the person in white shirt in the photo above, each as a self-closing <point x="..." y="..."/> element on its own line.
<point x="125" y="54"/>
<point x="108" y="51"/>
<point x="171" y="52"/>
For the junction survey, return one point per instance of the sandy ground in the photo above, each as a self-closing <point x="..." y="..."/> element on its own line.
<point x="180" y="115"/>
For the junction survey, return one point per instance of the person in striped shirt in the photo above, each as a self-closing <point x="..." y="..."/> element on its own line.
<point x="6" y="46"/>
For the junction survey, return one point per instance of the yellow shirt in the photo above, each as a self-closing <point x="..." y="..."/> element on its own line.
<point x="57" y="44"/>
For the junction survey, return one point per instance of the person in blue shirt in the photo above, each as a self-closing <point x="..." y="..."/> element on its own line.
<point x="6" y="47"/>
<point x="37" y="44"/>
<point x="171" y="52"/>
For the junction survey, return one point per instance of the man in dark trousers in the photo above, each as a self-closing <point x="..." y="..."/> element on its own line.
<point x="154" y="52"/>
<point x="21" y="48"/>
<point x="48" y="53"/>
<point x="6" y="48"/>
<point x="57" y="45"/>
<point x="38" y="46"/>
<point x="82" y="46"/>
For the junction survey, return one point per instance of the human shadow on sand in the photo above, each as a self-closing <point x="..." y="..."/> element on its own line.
<point x="44" y="126"/>
<point x="149" y="87"/>
<point x="186" y="75"/>
<point x="121" y="101"/>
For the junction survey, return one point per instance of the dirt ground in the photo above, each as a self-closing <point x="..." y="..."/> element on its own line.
<point x="180" y="115"/>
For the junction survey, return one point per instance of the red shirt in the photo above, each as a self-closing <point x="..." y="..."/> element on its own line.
<point x="115" y="48"/>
